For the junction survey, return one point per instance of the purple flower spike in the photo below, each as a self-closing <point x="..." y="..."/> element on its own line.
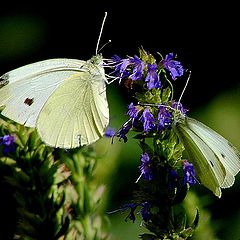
<point x="174" y="67"/>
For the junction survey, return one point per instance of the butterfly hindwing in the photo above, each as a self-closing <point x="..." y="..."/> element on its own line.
<point x="215" y="159"/>
<point x="77" y="113"/>
<point x="209" y="170"/>
<point x="229" y="155"/>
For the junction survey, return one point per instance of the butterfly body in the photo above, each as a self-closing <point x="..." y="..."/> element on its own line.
<point x="65" y="99"/>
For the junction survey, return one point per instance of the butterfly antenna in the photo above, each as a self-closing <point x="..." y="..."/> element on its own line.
<point x="100" y="34"/>
<point x="104" y="45"/>
<point x="180" y="98"/>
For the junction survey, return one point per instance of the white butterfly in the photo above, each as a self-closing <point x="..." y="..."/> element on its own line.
<point x="215" y="159"/>
<point x="65" y="99"/>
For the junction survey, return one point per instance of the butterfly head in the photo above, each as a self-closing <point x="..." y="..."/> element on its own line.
<point x="96" y="59"/>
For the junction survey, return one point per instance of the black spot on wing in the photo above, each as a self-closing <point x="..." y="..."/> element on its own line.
<point x="223" y="155"/>
<point x="29" y="101"/>
<point x="211" y="163"/>
<point x="4" y="80"/>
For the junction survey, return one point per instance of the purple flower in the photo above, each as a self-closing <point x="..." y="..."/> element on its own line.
<point x="132" y="111"/>
<point x="110" y="132"/>
<point x="123" y="131"/>
<point x="164" y="118"/>
<point x="189" y="173"/>
<point x="146" y="211"/>
<point x="148" y="120"/>
<point x="152" y="77"/>
<point x="131" y="67"/>
<point x="174" y="67"/>
<point x="138" y="66"/>
<point x="121" y="66"/>
<point x="132" y="207"/>
<point x="8" y="143"/>
<point x="179" y="106"/>
<point x="145" y="167"/>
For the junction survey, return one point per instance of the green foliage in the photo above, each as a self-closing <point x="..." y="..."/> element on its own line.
<point x="52" y="189"/>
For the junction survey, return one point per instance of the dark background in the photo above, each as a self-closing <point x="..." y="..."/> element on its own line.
<point x="204" y="35"/>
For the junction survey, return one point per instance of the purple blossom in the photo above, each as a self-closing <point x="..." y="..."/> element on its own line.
<point x="123" y="131"/>
<point x="138" y="66"/>
<point x="148" y="120"/>
<point x="189" y="173"/>
<point x="145" y="167"/>
<point x="179" y="106"/>
<point x="174" y="67"/>
<point x="152" y="77"/>
<point x="8" y="144"/>
<point x="121" y="66"/>
<point x="110" y="132"/>
<point x="131" y="215"/>
<point x="164" y="118"/>
<point x="131" y="67"/>
<point x="146" y="211"/>
<point x="132" y="111"/>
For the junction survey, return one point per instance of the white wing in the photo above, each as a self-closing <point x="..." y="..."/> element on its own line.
<point x="227" y="154"/>
<point x="77" y="113"/>
<point x="197" y="152"/>
<point x="216" y="161"/>
<point x="25" y="90"/>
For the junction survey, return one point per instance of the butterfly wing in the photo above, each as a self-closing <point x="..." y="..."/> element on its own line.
<point x="76" y="113"/>
<point x="25" y="90"/>
<point x="209" y="170"/>
<point x="224" y="151"/>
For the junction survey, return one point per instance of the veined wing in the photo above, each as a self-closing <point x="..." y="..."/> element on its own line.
<point x="77" y="113"/>
<point x="210" y="171"/>
<point x="25" y="90"/>
<point x="226" y="153"/>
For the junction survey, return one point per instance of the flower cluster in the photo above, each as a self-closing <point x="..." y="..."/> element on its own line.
<point x="145" y="68"/>
<point x="150" y="119"/>
<point x="164" y="177"/>
<point x="174" y="179"/>
<point x="7" y="142"/>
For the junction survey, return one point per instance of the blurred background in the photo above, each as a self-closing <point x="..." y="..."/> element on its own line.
<point x="206" y="41"/>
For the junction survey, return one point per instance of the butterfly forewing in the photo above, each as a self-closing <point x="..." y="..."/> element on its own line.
<point x="26" y="89"/>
